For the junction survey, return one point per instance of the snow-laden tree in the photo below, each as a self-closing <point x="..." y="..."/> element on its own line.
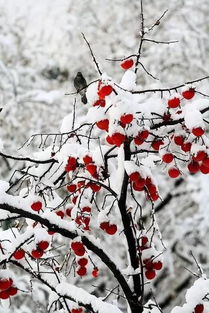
<point x="97" y="184"/>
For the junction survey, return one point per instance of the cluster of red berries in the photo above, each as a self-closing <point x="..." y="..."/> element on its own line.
<point x="40" y="249"/>
<point x="7" y="288"/>
<point x="175" y="102"/>
<point x="139" y="183"/>
<point x="151" y="265"/>
<point x="82" y="261"/>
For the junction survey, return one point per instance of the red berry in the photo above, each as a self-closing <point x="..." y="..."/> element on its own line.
<point x="118" y="139"/>
<point x="150" y="274"/>
<point x="12" y="291"/>
<point x="157" y="265"/>
<point x="173" y="172"/>
<point x="60" y="214"/>
<point x="188" y="94"/>
<point x="81" y="271"/>
<point x="87" y="159"/>
<point x="156" y="144"/>
<point x="186" y="146"/>
<point x="154" y="196"/>
<point x="140" y="183"/>
<point x="173" y="103"/>
<point x="71" y="188"/>
<point x="92" y="169"/>
<point x="167" y="157"/>
<point x="43" y="245"/>
<point x="104" y="225"/>
<point x="204" y="169"/>
<point x="166" y="117"/>
<point x="78" y="310"/>
<point x="193" y="167"/>
<point x="86" y="209"/>
<point x="141" y="137"/>
<point x="100" y="102"/>
<point x="5" y="283"/>
<point x="19" y="254"/>
<point x="103" y="124"/>
<point x="198" y="131"/>
<point x="144" y="240"/>
<point x="126" y="118"/>
<point x="4" y="295"/>
<point x="179" y="140"/>
<point x="109" y="140"/>
<point x="36" y="206"/>
<point x="111" y="229"/>
<point x="105" y="91"/>
<point x="126" y="64"/>
<point x="76" y="245"/>
<point x="95" y="272"/>
<point x="199" y="308"/>
<point x="83" y="262"/>
<point x="94" y="187"/>
<point x="201" y="155"/>
<point x="205" y="162"/>
<point x="71" y="164"/>
<point x="37" y="253"/>
<point x="134" y="176"/>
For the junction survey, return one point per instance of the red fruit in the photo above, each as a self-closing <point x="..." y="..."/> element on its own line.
<point x="193" y="167"/>
<point x="43" y="245"/>
<point x="109" y="140"/>
<point x="173" y="172"/>
<point x="103" y="124"/>
<point x="167" y="157"/>
<point x="86" y="209"/>
<point x="144" y="240"/>
<point x="4" y="295"/>
<point x="92" y="169"/>
<point x="166" y="117"/>
<point x="199" y="308"/>
<point x="100" y="103"/>
<point x="79" y="310"/>
<point x="105" y="91"/>
<point x="81" y="184"/>
<point x="154" y="196"/>
<point x="95" y="272"/>
<point x="76" y="245"/>
<point x="126" y="118"/>
<point x="83" y="262"/>
<point x="204" y="169"/>
<point x="186" y="147"/>
<point x="5" y="283"/>
<point x="71" y="188"/>
<point x="111" y="229"/>
<point x="140" y="183"/>
<point x="179" y="140"/>
<point x="81" y="271"/>
<point x="126" y="64"/>
<point x="19" y="254"/>
<point x="198" y="131"/>
<point x="201" y="155"/>
<point x="94" y="187"/>
<point x="141" y="137"/>
<point x="150" y="274"/>
<point x="137" y="187"/>
<point x="138" y="141"/>
<point x="104" y="225"/>
<point x="173" y="103"/>
<point x="188" y="94"/>
<point x="36" y="206"/>
<point x="118" y="139"/>
<point x="87" y="159"/>
<point x="80" y="252"/>
<point x="156" y="144"/>
<point x="68" y="212"/>
<point x="37" y="253"/>
<point x="134" y="176"/>
<point x="60" y="214"/>
<point x="12" y="291"/>
<point x="157" y="265"/>
<point x="74" y="199"/>
<point x="50" y="232"/>
<point x="71" y="164"/>
<point x="205" y="162"/>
